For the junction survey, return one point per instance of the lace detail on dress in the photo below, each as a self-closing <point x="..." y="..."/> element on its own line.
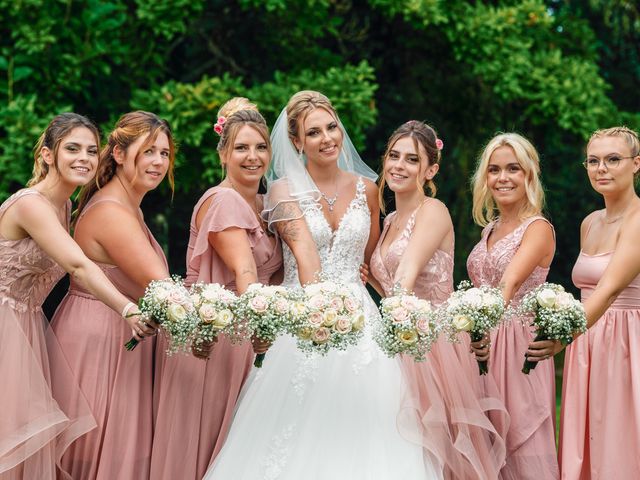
<point x="28" y="273"/>
<point x="341" y="251"/>
<point x="486" y="266"/>
<point x="278" y="454"/>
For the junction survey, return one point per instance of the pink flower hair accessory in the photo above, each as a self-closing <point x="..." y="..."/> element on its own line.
<point x="439" y="144"/>
<point x="219" y="126"/>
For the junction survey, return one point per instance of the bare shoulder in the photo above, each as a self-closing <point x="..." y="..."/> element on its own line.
<point x="112" y="217"/>
<point x="433" y="212"/>
<point x="631" y="223"/>
<point x="540" y="228"/>
<point x="586" y="221"/>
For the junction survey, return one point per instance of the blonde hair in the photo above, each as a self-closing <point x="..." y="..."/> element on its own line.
<point x="629" y="136"/>
<point x="421" y="134"/>
<point x="129" y="128"/>
<point x="238" y="112"/>
<point x="484" y="206"/>
<point x="300" y="105"/>
<point x="57" y="130"/>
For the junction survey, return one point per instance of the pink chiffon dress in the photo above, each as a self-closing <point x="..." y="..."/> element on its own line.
<point x="38" y="419"/>
<point x="196" y="398"/>
<point x="117" y="383"/>
<point x="530" y="399"/>
<point x="600" y="417"/>
<point x="443" y="393"/>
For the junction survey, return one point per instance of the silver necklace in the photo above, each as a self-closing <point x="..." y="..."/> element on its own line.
<point x="330" y="201"/>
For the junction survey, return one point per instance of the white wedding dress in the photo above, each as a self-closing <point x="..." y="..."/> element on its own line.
<point x="331" y="417"/>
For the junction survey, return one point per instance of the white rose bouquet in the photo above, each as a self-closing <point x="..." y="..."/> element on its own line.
<point x="268" y="312"/>
<point x="557" y="315"/>
<point x="409" y="325"/>
<point x="214" y="305"/>
<point x="334" y="318"/>
<point x="474" y="310"/>
<point x="169" y="304"/>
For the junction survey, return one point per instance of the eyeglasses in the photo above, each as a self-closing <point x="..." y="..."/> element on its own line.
<point x="612" y="162"/>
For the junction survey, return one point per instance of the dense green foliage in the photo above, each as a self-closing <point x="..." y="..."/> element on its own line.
<point x="553" y="70"/>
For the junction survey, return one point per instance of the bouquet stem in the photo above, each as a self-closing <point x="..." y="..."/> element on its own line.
<point x="131" y="344"/>
<point x="529" y="365"/>
<point x="259" y="359"/>
<point x="483" y="365"/>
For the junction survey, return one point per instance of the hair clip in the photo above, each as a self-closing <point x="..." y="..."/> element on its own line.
<point x="219" y="126"/>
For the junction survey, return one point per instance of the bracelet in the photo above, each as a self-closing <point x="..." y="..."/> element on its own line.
<point x="127" y="307"/>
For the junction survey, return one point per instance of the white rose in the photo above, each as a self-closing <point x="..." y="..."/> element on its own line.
<point x="424" y="305"/>
<point x="176" y="313"/>
<point x="358" y="322"/>
<point x="207" y="313"/>
<point x="564" y="300"/>
<point x="161" y="294"/>
<point x="473" y="297"/>
<point x="463" y="323"/>
<point x="330" y="317"/>
<point x="546" y="298"/>
<point x="408" y="337"/>
<point x="223" y="318"/>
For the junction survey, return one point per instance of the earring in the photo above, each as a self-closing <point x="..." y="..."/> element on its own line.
<point x="300" y="153"/>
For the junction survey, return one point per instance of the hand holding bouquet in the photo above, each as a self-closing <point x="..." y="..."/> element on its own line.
<point x="557" y="315"/>
<point x="268" y="311"/>
<point x="474" y="310"/>
<point x="408" y="326"/>
<point x="333" y="318"/>
<point x="214" y="305"/>
<point x="168" y="303"/>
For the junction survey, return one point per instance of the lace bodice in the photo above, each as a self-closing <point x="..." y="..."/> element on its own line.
<point x="27" y="273"/>
<point x="341" y="251"/>
<point x="435" y="281"/>
<point x="486" y="266"/>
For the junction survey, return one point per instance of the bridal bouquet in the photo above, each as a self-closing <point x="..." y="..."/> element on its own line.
<point x="408" y="326"/>
<point x="269" y="312"/>
<point x="474" y="310"/>
<point x="334" y="318"/>
<point x="557" y="315"/>
<point x="214" y="305"/>
<point x="169" y="304"/>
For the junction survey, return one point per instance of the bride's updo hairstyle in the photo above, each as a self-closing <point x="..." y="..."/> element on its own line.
<point x="423" y="136"/>
<point x="484" y="206"/>
<point x="129" y="128"/>
<point x="232" y="116"/>
<point x="299" y="107"/>
<point x="52" y="137"/>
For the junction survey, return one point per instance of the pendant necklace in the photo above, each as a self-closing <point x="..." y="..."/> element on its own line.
<point x="330" y="201"/>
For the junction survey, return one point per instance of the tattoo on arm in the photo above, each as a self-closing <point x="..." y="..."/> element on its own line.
<point x="289" y="230"/>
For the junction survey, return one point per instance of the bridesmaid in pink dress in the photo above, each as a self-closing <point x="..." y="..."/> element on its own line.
<point x="514" y="254"/>
<point x="228" y="244"/>
<point x="40" y="418"/>
<point x="111" y="231"/>
<point x="415" y="253"/>
<point x="600" y="417"/>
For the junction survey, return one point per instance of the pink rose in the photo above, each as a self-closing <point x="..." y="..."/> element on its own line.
<point x="350" y="304"/>
<point x="282" y="306"/>
<point x="207" y="313"/>
<point x="399" y="314"/>
<point x="336" y="303"/>
<point x="409" y="302"/>
<point x="343" y="325"/>
<point x="218" y="129"/>
<point x="222" y="120"/>
<point x="175" y="297"/>
<point x="316" y="319"/>
<point x="317" y="302"/>
<point x="259" y="304"/>
<point x="422" y="325"/>
<point x="321" y="335"/>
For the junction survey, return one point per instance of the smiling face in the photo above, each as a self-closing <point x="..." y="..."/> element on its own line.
<point x="77" y="157"/>
<point x="145" y="164"/>
<point x="320" y="137"/>
<point x="405" y="168"/>
<point x="506" y="177"/>
<point x="611" y="179"/>
<point x="247" y="160"/>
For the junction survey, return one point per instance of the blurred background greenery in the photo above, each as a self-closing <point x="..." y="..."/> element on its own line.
<point x="551" y="70"/>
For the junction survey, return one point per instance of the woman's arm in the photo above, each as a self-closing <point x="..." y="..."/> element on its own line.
<point x="374" y="231"/>
<point x="433" y="224"/>
<point x="39" y="220"/>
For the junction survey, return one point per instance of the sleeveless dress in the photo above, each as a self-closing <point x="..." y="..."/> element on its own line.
<point x="196" y="398"/>
<point x="600" y="417"/>
<point x="444" y="392"/>
<point x="37" y="421"/>
<point x="331" y="417"/>
<point x="117" y="383"/>
<point x="530" y="399"/>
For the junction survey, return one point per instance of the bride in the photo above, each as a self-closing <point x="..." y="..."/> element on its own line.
<point x="331" y="417"/>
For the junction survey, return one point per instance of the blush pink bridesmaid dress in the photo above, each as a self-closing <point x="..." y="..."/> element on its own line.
<point x="196" y="398"/>
<point x="530" y="399"/>
<point x="117" y="383"/>
<point x="39" y="418"/>
<point x="600" y="417"/>
<point x="443" y="393"/>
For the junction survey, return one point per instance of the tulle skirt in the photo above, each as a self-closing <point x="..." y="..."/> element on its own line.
<point x="41" y="416"/>
<point x="322" y="418"/>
